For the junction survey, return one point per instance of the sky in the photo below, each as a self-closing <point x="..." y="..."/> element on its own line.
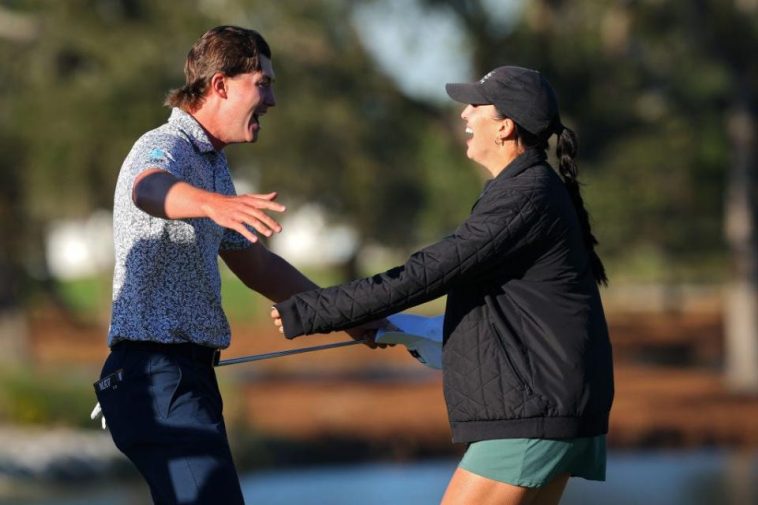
<point x="423" y="48"/>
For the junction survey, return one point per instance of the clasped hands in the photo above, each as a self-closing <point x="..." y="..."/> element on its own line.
<point x="365" y="332"/>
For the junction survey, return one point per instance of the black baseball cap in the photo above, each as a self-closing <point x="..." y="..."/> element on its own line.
<point x="521" y="94"/>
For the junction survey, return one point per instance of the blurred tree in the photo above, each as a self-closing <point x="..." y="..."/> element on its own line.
<point x="343" y="134"/>
<point x="86" y="77"/>
<point x="655" y="180"/>
<point x="663" y="97"/>
<point x="79" y="81"/>
<point x="15" y="28"/>
<point x="725" y="33"/>
<point x="696" y="53"/>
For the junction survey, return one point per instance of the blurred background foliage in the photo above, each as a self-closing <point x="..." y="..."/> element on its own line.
<point x="648" y="85"/>
<point x="661" y="93"/>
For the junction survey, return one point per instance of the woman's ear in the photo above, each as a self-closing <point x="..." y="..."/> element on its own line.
<point x="507" y="130"/>
<point x="509" y="127"/>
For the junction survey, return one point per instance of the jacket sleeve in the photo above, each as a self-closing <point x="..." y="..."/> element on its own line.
<point x="498" y="226"/>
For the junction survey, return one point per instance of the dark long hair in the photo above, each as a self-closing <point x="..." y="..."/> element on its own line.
<point x="566" y="150"/>
<point x="568" y="145"/>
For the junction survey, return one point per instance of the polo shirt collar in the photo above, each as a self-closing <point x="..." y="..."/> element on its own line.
<point x="189" y="125"/>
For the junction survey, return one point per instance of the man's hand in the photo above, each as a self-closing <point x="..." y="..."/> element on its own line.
<point x="236" y="212"/>
<point x="98" y="412"/>
<point x="367" y="332"/>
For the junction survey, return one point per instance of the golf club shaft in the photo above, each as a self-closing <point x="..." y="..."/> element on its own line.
<point x="290" y="352"/>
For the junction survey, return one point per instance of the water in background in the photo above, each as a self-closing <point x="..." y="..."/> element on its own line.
<point x="636" y="478"/>
<point x="703" y="478"/>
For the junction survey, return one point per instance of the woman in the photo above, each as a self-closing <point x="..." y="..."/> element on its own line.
<point x="527" y="368"/>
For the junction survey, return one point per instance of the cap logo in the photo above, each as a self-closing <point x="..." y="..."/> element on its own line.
<point x="489" y="74"/>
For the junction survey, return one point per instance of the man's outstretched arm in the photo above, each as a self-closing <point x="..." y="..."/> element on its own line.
<point x="272" y="276"/>
<point x="266" y="272"/>
<point x="161" y="194"/>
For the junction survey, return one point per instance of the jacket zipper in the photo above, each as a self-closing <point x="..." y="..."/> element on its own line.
<point x="519" y="378"/>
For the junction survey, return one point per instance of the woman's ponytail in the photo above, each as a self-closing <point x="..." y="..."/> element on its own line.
<point x="566" y="152"/>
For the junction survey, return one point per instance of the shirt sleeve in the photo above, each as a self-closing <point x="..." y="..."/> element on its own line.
<point x="497" y="228"/>
<point x="162" y="151"/>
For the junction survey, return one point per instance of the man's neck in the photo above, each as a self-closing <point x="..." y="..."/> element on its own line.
<point x="207" y="120"/>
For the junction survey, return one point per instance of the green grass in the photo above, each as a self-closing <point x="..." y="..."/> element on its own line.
<point x="88" y="298"/>
<point x="646" y="266"/>
<point x="60" y="398"/>
<point x="65" y="397"/>
<point x="243" y="305"/>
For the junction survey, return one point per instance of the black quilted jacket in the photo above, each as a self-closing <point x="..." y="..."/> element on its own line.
<point x="526" y="348"/>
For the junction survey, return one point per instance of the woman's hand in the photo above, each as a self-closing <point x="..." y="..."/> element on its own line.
<point x="277" y="319"/>
<point x="367" y="333"/>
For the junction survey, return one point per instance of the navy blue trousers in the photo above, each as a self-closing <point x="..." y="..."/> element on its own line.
<point x="164" y="412"/>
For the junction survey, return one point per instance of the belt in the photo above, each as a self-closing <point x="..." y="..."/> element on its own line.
<point x="196" y="352"/>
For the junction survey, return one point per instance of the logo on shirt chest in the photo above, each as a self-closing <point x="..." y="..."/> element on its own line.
<point x="158" y="155"/>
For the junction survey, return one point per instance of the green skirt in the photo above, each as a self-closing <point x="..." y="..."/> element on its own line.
<point x="534" y="462"/>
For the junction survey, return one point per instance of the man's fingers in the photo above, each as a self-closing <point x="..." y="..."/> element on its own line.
<point x="261" y="222"/>
<point x="259" y="226"/>
<point x="367" y="337"/>
<point x="242" y="230"/>
<point x="257" y="202"/>
<point x="240" y="223"/>
<point x="237" y="212"/>
<point x="370" y="343"/>
<point x="269" y="196"/>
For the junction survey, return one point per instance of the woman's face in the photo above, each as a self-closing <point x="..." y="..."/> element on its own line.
<point x="483" y="132"/>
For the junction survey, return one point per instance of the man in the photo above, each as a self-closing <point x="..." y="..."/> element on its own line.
<point x="175" y="211"/>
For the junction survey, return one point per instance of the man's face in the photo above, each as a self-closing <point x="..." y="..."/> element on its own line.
<point x="249" y="97"/>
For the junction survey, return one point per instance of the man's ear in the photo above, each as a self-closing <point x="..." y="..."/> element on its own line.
<point x="218" y="85"/>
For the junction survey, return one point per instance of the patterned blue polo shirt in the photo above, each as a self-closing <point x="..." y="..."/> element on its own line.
<point x="166" y="282"/>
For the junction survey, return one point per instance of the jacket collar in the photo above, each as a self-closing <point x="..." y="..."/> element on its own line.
<point x="189" y="125"/>
<point x="529" y="158"/>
